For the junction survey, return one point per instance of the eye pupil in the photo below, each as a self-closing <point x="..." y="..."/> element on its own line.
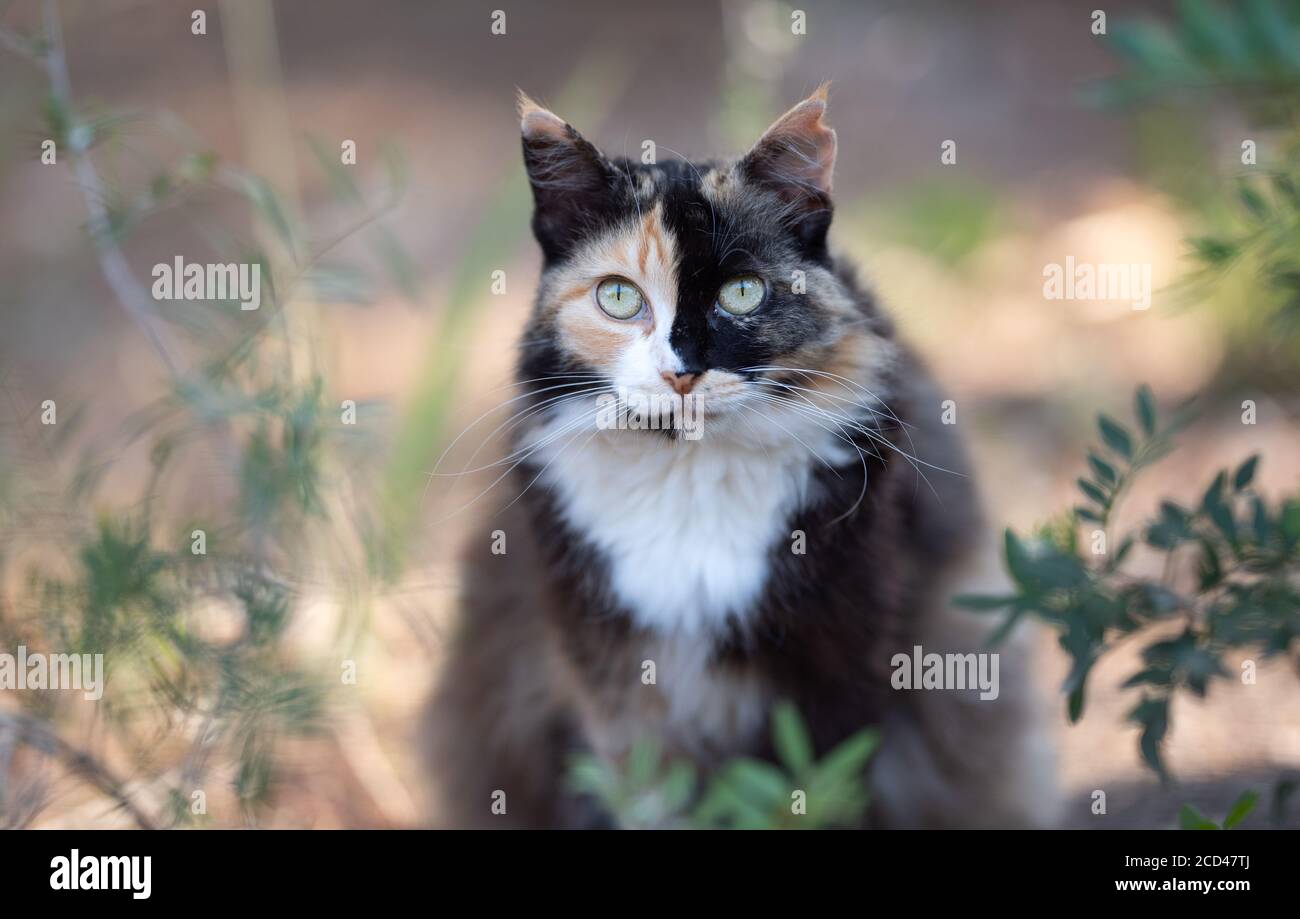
<point x="619" y="300"/>
<point x="741" y="295"/>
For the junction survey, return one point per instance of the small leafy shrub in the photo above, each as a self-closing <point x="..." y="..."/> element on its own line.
<point x="797" y="792"/>
<point x="1242" y="594"/>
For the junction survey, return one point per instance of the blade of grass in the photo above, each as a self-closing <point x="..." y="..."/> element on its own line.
<point x="588" y="97"/>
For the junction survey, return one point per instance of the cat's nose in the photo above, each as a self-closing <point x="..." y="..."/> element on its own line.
<point x="682" y="383"/>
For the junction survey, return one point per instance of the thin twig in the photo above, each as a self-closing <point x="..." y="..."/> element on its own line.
<point x="132" y="295"/>
<point x="129" y="291"/>
<point x="40" y="736"/>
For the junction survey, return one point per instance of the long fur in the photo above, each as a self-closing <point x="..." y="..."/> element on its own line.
<point x="816" y="529"/>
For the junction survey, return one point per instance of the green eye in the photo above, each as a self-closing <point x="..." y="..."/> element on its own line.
<point x="619" y="297"/>
<point x="740" y="295"/>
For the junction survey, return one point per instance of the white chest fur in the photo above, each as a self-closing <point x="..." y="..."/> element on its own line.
<point x="686" y="527"/>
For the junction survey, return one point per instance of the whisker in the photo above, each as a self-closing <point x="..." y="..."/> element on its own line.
<point x="494" y="408"/>
<point x="861" y="454"/>
<point x="843" y="421"/>
<point x="833" y="470"/>
<point x="549" y="462"/>
<point x="547" y="379"/>
<point x="547" y="439"/>
<point x="904" y="426"/>
<point x="817" y="392"/>
<point x="844" y="382"/>
<point x="510" y="424"/>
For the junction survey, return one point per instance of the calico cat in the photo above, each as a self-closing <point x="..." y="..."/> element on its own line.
<point x="806" y="531"/>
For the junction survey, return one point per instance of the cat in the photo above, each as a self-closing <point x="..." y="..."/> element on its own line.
<point x="810" y="527"/>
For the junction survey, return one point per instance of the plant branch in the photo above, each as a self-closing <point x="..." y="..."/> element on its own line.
<point x="129" y="291"/>
<point x="39" y="735"/>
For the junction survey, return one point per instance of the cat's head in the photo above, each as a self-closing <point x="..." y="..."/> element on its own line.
<point x="711" y="280"/>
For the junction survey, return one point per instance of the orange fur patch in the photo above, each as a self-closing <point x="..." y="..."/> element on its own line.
<point x="641" y="251"/>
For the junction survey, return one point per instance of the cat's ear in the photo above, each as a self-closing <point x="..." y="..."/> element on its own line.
<point x="795" y="158"/>
<point x="569" y="176"/>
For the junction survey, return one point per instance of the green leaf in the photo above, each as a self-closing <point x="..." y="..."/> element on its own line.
<point x="1262" y="527"/>
<point x="1245" y="473"/>
<point x="1051" y="569"/>
<point x="724" y="805"/>
<point x="1210" y="571"/>
<point x="847" y="760"/>
<point x="760" y="783"/>
<point x="1214" y="494"/>
<point x="1240" y="809"/>
<point x="1092" y="491"/>
<point x="1253" y="201"/>
<point x="1147" y="44"/>
<point x="1125" y="546"/>
<point x="790" y="737"/>
<point x="1074" y="705"/>
<point x="1210" y="35"/>
<point x="589" y="775"/>
<point x="1212" y="251"/>
<point x="1116" y="436"/>
<point x="1152" y="713"/>
<point x="1104" y="471"/>
<point x="1150" y="676"/>
<point x="642" y="762"/>
<point x="1223" y="520"/>
<point x="678" y="787"/>
<point x="1291" y="521"/>
<point x="1189" y="818"/>
<point x="1017" y="558"/>
<point x="1145" y="405"/>
<point x="1079" y="645"/>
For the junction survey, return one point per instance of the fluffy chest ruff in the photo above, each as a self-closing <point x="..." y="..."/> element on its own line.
<point x="685" y="529"/>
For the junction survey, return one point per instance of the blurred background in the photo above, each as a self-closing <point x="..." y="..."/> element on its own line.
<point x="281" y="673"/>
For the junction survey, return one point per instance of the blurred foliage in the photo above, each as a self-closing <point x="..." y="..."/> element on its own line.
<point x="1189" y="818"/>
<point x="588" y="94"/>
<point x="1263" y="244"/>
<point x="189" y="597"/>
<point x="949" y="221"/>
<point x="1250" y="50"/>
<point x="796" y="792"/>
<point x="1247" y="57"/>
<point x="1230" y="560"/>
<point x="1230" y="563"/>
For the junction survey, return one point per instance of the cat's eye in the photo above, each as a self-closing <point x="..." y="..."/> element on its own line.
<point x="742" y="294"/>
<point x="619" y="298"/>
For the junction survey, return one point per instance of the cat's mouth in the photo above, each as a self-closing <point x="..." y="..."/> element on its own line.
<point x="724" y="401"/>
<point x="673" y="414"/>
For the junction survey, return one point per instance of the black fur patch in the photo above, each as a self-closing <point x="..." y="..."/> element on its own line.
<point x="753" y="231"/>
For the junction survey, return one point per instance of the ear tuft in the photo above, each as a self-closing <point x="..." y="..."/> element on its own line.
<point x="796" y="155"/>
<point x="537" y="122"/>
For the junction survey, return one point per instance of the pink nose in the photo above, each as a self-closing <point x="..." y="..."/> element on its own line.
<point x="682" y="383"/>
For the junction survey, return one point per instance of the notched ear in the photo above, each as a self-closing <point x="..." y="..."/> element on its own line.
<point x="570" y="178"/>
<point x="795" y="158"/>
